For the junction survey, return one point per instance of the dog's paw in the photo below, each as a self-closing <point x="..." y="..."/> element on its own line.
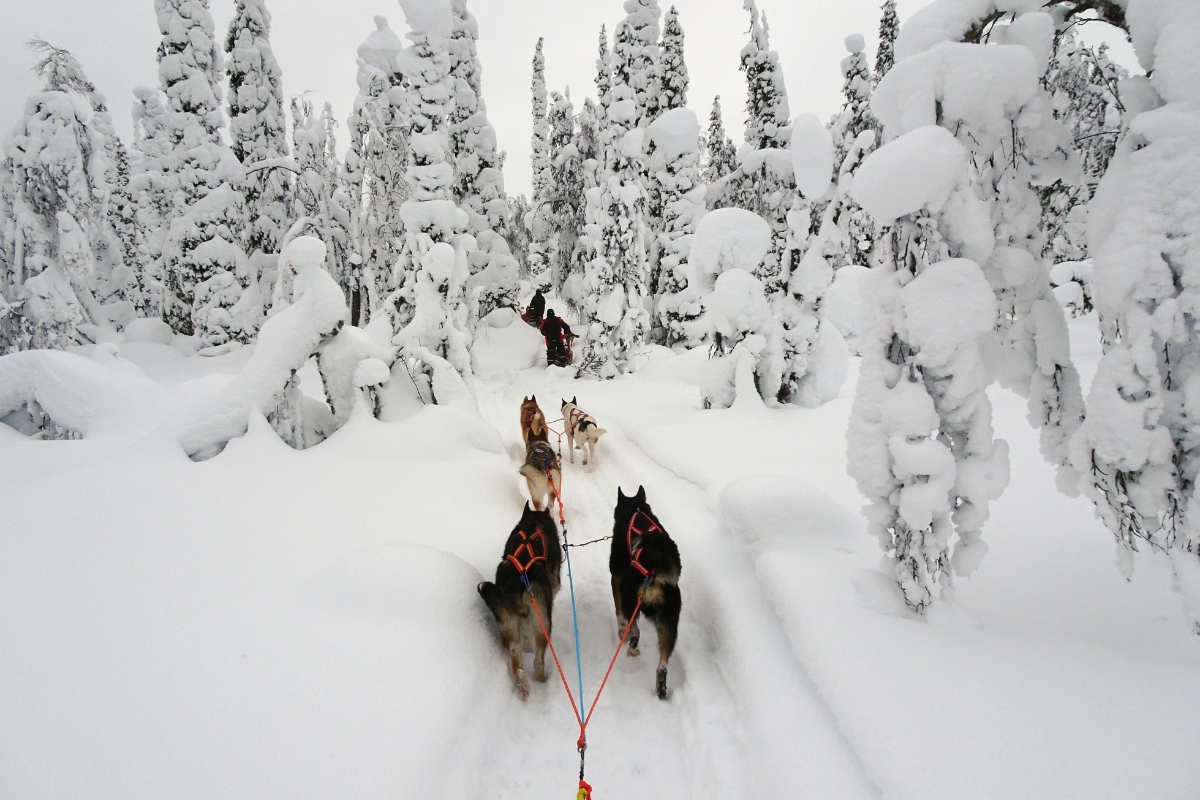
<point x="539" y="673"/>
<point x="660" y="683"/>
<point x="522" y="686"/>
<point x="634" y="652"/>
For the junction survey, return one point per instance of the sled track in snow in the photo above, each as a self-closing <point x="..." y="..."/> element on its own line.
<point x="708" y="740"/>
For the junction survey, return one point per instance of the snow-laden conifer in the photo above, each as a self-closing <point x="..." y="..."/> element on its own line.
<point x="673" y="72"/>
<point x="1082" y="83"/>
<point x="675" y="168"/>
<point x="539" y="220"/>
<point x="1137" y="449"/>
<point x="373" y="173"/>
<point x="258" y="128"/>
<point x="960" y="192"/>
<point x="636" y="60"/>
<point x="208" y="212"/>
<point x="56" y="186"/>
<point x="614" y="283"/>
<point x="763" y="182"/>
<point x="150" y="182"/>
<point x="889" y="27"/>
<point x="478" y="181"/>
<point x="720" y="154"/>
<point x="430" y="311"/>
<point x="767" y="110"/>
<point x="566" y="188"/>
<point x="319" y="194"/>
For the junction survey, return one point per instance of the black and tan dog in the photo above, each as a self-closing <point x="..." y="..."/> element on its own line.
<point x="532" y="550"/>
<point x="645" y="561"/>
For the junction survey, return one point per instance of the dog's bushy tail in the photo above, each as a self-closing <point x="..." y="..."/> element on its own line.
<point x="533" y="473"/>
<point x="600" y="431"/>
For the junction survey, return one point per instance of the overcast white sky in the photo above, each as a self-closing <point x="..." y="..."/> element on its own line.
<point x="315" y="42"/>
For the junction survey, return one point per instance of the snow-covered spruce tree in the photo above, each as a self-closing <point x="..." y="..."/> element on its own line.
<point x="762" y="183"/>
<point x="604" y="75"/>
<point x="318" y="194"/>
<point x="614" y="282"/>
<point x="1137" y="449"/>
<point x="855" y="116"/>
<point x="373" y="173"/>
<point x="854" y="238"/>
<point x="636" y="60"/>
<point x="889" y="27"/>
<point x="429" y="311"/>
<point x="115" y="282"/>
<point x="258" y="130"/>
<point x="673" y="74"/>
<point x="566" y="189"/>
<point x="675" y="167"/>
<point x="515" y="233"/>
<point x="994" y="121"/>
<point x="920" y="442"/>
<point x="720" y="156"/>
<point x="1082" y="83"/>
<point x="814" y="352"/>
<point x="207" y="209"/>
<point x="767" y="111"/>
<point x="539" y="220"/>
<point x="478" y="180"/>
<point x="56" y="193"/>
<point x="150" y="182"/>
<point x="589" y="152"/>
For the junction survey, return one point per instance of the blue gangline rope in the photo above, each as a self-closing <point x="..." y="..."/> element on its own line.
<point x="575" y="620"/>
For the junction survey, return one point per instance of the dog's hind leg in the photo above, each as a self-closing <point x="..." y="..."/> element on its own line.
<point x="666" y="623"/>
<point x="510" y="636"/>
<point x="540" y="640"/>
<point x="626" y="602"/>
<point x="571" y="444"/>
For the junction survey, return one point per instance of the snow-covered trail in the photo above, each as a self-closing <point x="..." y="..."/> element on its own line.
<point x="743" y="719"/>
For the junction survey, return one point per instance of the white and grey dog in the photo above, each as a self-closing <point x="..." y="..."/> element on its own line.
<point x="582" y="431"/>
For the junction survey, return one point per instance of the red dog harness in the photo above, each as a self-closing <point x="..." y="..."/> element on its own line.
<point x="526" y="549"/>
<point x="575" y="417"/>
<point x="633" y="554"/>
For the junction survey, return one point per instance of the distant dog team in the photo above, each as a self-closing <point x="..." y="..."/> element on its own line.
<point x="643" y="563"/>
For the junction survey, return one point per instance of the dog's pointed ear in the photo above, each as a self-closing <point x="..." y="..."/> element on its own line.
<point x="574" y="402"/>
<point x="641" y="495"/>
<point x="620" y="494"/>
<point x="533" y="397"/>
<point x="564" y="403"/>
<point x="526" y="400"/>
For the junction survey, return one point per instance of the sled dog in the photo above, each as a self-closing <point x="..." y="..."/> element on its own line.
<point x="532" y="549"/>
<point x="533" y="421"/>
<point x="645" y="561"/>
<point x="540" y="467"/>
<point x="582" y="431"/>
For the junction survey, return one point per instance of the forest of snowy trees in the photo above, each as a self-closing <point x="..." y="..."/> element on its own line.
<point x="987" y="175"/>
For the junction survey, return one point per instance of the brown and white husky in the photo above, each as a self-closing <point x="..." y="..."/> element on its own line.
<point x="533" y="421"/>
<point x="581" y="429"/>
<point x="532" y="550"/>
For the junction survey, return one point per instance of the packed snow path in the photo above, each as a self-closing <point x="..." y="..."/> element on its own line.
<point x="742" y="720"/>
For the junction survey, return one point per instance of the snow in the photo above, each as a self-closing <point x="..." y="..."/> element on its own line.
<point x="918" y="170"/>
<point x="162" y="617"/>
<point x="812" y="155"/>
<point x="947" y="21"/>
<point x="675" y="133"/>
<point x="980" y="85"/>
<point x="1164" y="35"/>
<point x="726" y="238"/>
<point x="430" y="17"/>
